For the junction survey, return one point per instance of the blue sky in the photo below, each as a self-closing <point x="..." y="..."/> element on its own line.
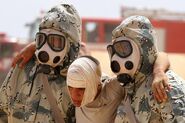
<point x="16" y="13"/>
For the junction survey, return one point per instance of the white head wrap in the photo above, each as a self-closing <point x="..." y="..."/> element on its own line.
<point x="84" y="73"/>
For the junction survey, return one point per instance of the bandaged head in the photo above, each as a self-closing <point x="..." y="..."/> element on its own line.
<point x="132" y="52"/>
<point x="57" y="42"/>
<point x="85" y="73"/>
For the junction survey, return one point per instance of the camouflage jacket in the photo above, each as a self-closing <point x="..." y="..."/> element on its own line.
<point x="23" y="99"/>
<point x="147" y="110"/>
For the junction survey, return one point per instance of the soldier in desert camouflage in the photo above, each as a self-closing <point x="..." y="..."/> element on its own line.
<point x="133" y="53"/>
<point x="57" y="45"/>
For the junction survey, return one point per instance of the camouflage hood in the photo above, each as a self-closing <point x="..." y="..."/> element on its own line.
<point x="65" y="19"/>
<point x="140" y="30"/>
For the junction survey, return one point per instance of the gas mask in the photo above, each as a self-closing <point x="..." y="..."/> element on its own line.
<point x="59" y="37"/>
<point x="51" y="47"/>
<point x="133" y="51"/>
<point x="125" y="57"/>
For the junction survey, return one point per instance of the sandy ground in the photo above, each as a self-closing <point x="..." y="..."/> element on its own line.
<point x="177" y="62"/>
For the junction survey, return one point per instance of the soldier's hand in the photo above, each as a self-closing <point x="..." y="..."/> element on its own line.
<point x="160" y="86"/>
<point x="24" y="55"/>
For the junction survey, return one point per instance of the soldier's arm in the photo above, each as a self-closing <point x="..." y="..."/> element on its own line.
<point x="4" y="94"/>
<point x="24" y="55"/>
<point x="3" y="117"/>
<point x="172" y="110"/>
<point x="160" y="81"/>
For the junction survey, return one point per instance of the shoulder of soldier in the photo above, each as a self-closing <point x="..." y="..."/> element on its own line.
<point x="112" y="84"/>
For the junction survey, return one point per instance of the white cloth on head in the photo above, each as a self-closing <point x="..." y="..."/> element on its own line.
<point x="84" y="73"/>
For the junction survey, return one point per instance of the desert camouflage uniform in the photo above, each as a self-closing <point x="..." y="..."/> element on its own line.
<point x="146" y="109"/>
<point x="22" y="96"/>
<point x="23" y="99"/>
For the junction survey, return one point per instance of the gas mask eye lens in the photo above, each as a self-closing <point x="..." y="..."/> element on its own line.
<point x="123" y="48"/>
<point x="56" y="42"/>
<point x="40" y="40"/>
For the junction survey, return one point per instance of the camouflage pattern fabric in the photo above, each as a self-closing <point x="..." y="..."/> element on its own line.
<point x="23" y="99"/>
<point x="22" y="96"/>
<point x="65" y="18"/>
<point x="146" y="109"/>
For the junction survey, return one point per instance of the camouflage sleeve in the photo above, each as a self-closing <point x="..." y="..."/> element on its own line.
<point x="174" y="109"/>
<point x="3" y="117"/>
<point x="177" y="96"/>
<point x="4" y="92"/>
<point x="4" y="98"/>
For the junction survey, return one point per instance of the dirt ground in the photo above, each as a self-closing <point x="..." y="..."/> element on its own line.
<point x="177" y="62"/>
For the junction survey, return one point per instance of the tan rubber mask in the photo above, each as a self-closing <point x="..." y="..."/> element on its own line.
<point x="125" y="57"/>
<point x="51" y="47"/>
<point x="133" y="60"/>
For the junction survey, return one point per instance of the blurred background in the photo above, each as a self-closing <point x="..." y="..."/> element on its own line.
<point x="19" y="23"/>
